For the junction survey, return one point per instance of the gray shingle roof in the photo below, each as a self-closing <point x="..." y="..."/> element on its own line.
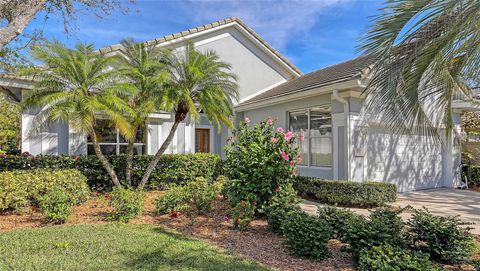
<point x="336" y="73"/>
<point x="202" y="28"/>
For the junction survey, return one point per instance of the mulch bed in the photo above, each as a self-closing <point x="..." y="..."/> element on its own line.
<point x="255" y="243"/>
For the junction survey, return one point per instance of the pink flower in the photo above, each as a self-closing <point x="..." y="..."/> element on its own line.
<point x="299" y="159"/>
<point x="288" y="135"/>
<point x="247" y="120"/>
<point x="292" y="163"/>
<point x="280" y="129"/>
<point x="285" y="156"/>
<point x="302" y="136"/>
<point x="270" y="121"/>
<point x="274" y="140"/>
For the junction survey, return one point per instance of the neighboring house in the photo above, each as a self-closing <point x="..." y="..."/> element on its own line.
<point x="326" y="105"/>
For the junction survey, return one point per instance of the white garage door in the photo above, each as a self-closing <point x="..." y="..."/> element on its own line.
<point x="407" y="161"/>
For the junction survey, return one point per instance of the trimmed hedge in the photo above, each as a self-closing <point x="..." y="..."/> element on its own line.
<point x="346" y="193"/>
<point x="172" y="168"/>
<point x="22" y="188"/>
<point x="307" y="236"/>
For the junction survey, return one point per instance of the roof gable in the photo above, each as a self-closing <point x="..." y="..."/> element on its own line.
<point x="332" y="74"/>
<point x="204" y="29"/>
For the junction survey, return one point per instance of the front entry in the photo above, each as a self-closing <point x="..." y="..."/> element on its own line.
<point x="202" y="140"/>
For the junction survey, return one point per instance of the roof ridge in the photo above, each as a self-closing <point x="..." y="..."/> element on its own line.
<point x="198" y="29"/>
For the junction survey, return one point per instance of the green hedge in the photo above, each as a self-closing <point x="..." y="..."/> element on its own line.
<point x="472" y="172"/>
<point x="172" y="168"/>
<point x="22" y="188"/>
<point x="346" y="193"/>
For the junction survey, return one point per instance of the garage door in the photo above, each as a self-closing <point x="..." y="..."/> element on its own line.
<point x="407" y="161"/>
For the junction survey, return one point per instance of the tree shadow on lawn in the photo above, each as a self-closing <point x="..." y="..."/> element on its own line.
<point x="191" y="255"/>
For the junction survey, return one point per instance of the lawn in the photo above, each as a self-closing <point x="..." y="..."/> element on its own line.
<point x="111" y="247"/>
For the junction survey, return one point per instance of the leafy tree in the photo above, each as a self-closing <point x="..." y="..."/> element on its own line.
<point x="17" y="14"/>
<point x="139" y="65"/>
<point x="9" y="125"/>
<point x="198" y="82"/>
<point x="76" y="86"/>
<point x="426" y="54"/>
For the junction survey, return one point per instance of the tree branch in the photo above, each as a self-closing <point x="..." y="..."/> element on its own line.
<point x="23" y="13"/>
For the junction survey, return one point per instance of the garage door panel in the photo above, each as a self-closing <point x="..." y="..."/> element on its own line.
<point x="407" y="161"/>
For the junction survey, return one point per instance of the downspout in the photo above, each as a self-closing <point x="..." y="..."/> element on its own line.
<point x="346" y="111"/>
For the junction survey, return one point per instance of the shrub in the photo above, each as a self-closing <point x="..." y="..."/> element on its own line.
<point x="259" y="160"/>
<point x="194" y="197"/>
<point x="172" y="168"/>
<point x="338" y="220"/>
<point x="384" y="227"/>
<point x="346" y="193"/>
<point x="281" y="204"/>
<point x="127" y="204"/>
<point x="175" y="199"/>
<point x="56" y="206"/>
<point x="472" y="172"/>
<point x="445" y="238"/>
<point x="242" y="214"/>
<point x="389" y="258"/>
<point x="307" y="236"/>
<point x="24" y="187"/>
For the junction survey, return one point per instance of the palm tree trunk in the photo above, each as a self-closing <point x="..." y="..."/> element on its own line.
<point x="105" y="163"/>
<point x="128" y="169"/>
<point x="157" y="156"/>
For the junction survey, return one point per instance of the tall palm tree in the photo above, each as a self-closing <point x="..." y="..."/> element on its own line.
<point x="140" y="67"/>
<point x="198" y="82"/>
<point x="427" y="53"/>
<point x="77" y="86"/>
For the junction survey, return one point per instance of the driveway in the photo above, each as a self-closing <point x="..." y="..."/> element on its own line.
<point x="442" y="202"/>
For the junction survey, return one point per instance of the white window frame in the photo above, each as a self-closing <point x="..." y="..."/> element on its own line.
<point x="308" y="136"/>
<point x="117" y="144"/>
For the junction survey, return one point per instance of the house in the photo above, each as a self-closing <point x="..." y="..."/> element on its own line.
<point x="325" y="105"/>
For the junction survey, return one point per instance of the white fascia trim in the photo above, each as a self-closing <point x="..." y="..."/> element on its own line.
<point x="17" y="83"/>
<point x="262" y="91"/>
<point x="160" y="116"/>
<point x="467" y="106"/>
<point x="212" y="39"/>
<point x="299" y="94"/>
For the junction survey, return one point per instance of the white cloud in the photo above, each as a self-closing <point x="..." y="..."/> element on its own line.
<point x="276" y="21"/>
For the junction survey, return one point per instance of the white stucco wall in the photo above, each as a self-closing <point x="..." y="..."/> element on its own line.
<point x="280" y="113"/>
<point x="411" y="162"/>
<point x="256" y="71"/>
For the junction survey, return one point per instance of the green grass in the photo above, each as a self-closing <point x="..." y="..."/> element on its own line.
<point x="112" y="247"/>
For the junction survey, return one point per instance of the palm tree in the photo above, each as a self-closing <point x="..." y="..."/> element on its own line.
<point x="76" y="86"/>
<point x="198" y="82"/>
<point x="139" y="65"/>
<point x="427" y="53"/>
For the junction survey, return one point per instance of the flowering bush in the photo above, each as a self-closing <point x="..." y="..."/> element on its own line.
<point x="260" y="160"/>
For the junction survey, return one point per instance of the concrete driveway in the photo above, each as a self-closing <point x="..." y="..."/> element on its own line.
<point x="442" y="202"/>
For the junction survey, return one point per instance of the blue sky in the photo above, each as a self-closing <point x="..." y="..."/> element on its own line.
<point x="311" y="33"/>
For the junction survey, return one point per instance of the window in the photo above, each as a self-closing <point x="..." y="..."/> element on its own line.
<point x="316" y="124"/>
<point x="112" y="142"/>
